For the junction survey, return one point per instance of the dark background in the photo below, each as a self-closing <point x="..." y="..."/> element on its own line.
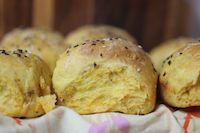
<point x="149" y="21"/>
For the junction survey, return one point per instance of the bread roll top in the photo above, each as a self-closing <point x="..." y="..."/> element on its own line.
<point x="94" y="32"/>
<point x="103" y="75"/>
<point x="179" y="78"/>
<point x="24" y="78"/>
<point x="45" y="44"/>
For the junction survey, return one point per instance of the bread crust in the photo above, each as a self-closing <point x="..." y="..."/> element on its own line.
<point x="165" y="49"/>
<point x="94" y="32"/>
<point x="106" y="75"/>
<point x="179" y="78"/>
<point x="45" y="44"/>
<point x="24" y="80"/>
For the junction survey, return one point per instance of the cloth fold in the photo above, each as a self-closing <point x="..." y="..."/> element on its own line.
<point x="65" y="120"/>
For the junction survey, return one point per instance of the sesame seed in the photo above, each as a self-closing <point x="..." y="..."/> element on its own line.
<point x="101" y="55"/>
<point x="126" y="47"/>
<point x="138" y="69"/>
<point x="139" y="46"/>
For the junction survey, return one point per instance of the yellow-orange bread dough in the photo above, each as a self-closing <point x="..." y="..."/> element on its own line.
<point x="94" y="32"/>
<point x="165" y="49"/>
<point x="106" y="75"/>
<point x="25" y="85"/>
<point x="47" y="45"/>
<point x="180" y="77"/>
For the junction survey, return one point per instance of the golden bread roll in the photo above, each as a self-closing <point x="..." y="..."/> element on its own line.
<point x="106" y="75"/>
<point x="165" y="49"/>
<point x="47" y="45"/>
<point x="180" y="77"/>
<point x="25" y="85"/>
<point x="94" y="32"/>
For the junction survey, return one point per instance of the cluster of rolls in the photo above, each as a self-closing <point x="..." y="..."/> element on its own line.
<point x="94" y="69"/>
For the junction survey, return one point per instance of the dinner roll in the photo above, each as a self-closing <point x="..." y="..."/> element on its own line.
<point x="180" y="77"/>
<point x="25" y="85"/>
<point x="106" y="75"/>
<point x="162" y="51"/>
<point x="94" y="32"/>
<point x="47" y="45"/>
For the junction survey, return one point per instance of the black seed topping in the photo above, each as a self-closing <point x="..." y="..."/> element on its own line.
<point x="20" y="50"/>
<point x="111" y="39"/>
<point x="167" y="58"/>
<point x="83" y="43"/>
<point x="180" y="53"/>
<point x="95" y="64"/>
<point x="126" y="47"/>
<point x="3" y="52"/>
<point x="154" y="69"/>
<point x="18" y="54"/>
<point x="101" y="55"/>
<point x="164" y="61"/>
<point x="164" y="73"/>
<point x="76" y="46"/>
<point x="169" y="62"/>
<point x="93" y="43"/>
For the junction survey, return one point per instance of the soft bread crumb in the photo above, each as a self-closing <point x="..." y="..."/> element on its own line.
<point x="180" y="77"/>
<point x="105" y="75"/>
<point x="47" y="102"/>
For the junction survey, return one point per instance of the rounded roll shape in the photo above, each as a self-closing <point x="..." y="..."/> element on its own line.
<point x="165" y="49"/>
<point x="180" y="77"/>
<point x="106" y="75"/>
<point x="25" y="85"/>
<point x="94" y="32"/>
<point x="45" y="44"/>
